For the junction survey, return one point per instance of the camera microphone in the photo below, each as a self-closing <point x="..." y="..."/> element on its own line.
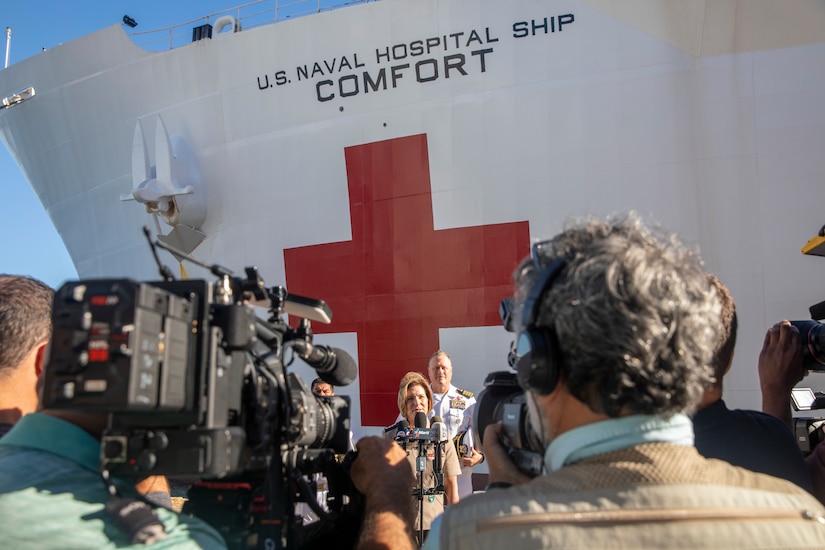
<point x="438" y="433"/>
<point x="402" y="428"/>
<point x="438" y="429"/>
<point x="334" y="365"/>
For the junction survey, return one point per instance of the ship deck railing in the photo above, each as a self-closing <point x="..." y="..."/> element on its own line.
<point x="248" y="16"/>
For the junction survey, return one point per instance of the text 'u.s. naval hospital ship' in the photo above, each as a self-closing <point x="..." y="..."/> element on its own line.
<point x="395" y="158"/>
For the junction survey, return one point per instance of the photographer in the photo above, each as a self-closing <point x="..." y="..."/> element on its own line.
<point x="52" y="494"/>
<point x="780" y="369"/>
<point x="25" y="329"/>
<point x="751" y="439"/>
<point x="618" y="323"/>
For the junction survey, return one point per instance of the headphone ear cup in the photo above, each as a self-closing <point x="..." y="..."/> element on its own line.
<point x="538" y="367"/>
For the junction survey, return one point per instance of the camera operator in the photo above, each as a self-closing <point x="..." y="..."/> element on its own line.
<point x="52" y="494"/>
<point x="780" y="369"/>
<point x="750" y="439"/>
<point x="318" y="479"/>
<point x="25" y="329"/>
<point x="617" y="328"/>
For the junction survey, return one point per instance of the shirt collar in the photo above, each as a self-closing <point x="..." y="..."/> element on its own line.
<point x="617" y="433"/>
<point x="54" y="435"/>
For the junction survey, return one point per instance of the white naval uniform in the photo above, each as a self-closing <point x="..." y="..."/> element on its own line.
<point x="456" y="411"/>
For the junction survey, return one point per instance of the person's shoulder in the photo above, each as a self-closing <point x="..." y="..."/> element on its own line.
<point x="750" y="413"/>
<point x="738" y="421"/>
<point x="764" y="421"/>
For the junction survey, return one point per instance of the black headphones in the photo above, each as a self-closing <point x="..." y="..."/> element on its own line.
<point x="537" y="348"/>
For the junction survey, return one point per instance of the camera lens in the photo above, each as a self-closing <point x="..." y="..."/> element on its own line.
<point x="812" y="337"/>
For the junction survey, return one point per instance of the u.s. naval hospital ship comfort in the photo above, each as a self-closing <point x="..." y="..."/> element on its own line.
<point x="396" y="158"/>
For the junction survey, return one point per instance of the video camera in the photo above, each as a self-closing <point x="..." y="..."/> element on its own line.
<point x="195" y="385"/>
<point x="809" y="431"/>
<point x="502" y="399"/>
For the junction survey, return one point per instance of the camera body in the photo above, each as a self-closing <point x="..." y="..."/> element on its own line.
<point x="502" y="399"/>
<point x="194" y="385"/>
<point x="808" y="433"/>
<point x="164" y="361"/>
<point x="808" y="430"/>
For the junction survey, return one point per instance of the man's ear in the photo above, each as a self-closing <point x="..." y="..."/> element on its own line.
<point x="730" y="364"/>
<point x="40" y="359"/>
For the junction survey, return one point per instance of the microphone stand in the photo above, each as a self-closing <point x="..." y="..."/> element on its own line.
<point x="420" y="467"/>
<point x="438" y="474"/>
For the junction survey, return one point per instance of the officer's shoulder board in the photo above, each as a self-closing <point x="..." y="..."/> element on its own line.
<point x="465" y="393"/>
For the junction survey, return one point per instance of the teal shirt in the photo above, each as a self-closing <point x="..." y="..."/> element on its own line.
<point x="52" y="494"/>
<point x="599" y="438"/>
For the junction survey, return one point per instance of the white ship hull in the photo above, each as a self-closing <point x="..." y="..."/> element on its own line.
<point x="424" y="143"/>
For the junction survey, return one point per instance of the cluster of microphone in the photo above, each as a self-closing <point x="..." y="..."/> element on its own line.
<point x="425" y="434"/>
<point x="432" y="432"/>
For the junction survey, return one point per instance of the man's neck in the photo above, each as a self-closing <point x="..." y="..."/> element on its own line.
<point x="712" y="395"/>
<point x="17" y="397"/>
<point x="91" y="423"/>
<point x="10" y="416"/>
<point x="439" y="388"/>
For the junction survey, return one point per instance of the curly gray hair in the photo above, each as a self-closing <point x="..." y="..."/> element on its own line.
<point x="636" y="318"/>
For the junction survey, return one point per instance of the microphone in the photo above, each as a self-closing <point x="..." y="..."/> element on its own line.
<point x="420" y="420"/>
<point x="334" y="365"/>
<point x="403" y="426"/>
<point x="438" y="433"/>
<point x="438" y="429"/>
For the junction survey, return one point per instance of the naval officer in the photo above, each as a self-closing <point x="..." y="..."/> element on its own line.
<point x="455" y="407"/>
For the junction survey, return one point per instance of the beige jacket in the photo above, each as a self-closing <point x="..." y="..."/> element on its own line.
<point x="655" y="495"/>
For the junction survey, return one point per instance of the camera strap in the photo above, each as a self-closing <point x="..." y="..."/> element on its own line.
<point x="135" y="516"/>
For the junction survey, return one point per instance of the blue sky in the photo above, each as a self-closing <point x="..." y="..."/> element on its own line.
<point x="31" y="245"/>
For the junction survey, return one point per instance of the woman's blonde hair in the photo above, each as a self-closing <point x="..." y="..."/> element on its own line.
<point x="413" y="379"/>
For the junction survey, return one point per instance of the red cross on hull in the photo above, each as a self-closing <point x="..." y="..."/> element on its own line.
<point x="398" y="280"/>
